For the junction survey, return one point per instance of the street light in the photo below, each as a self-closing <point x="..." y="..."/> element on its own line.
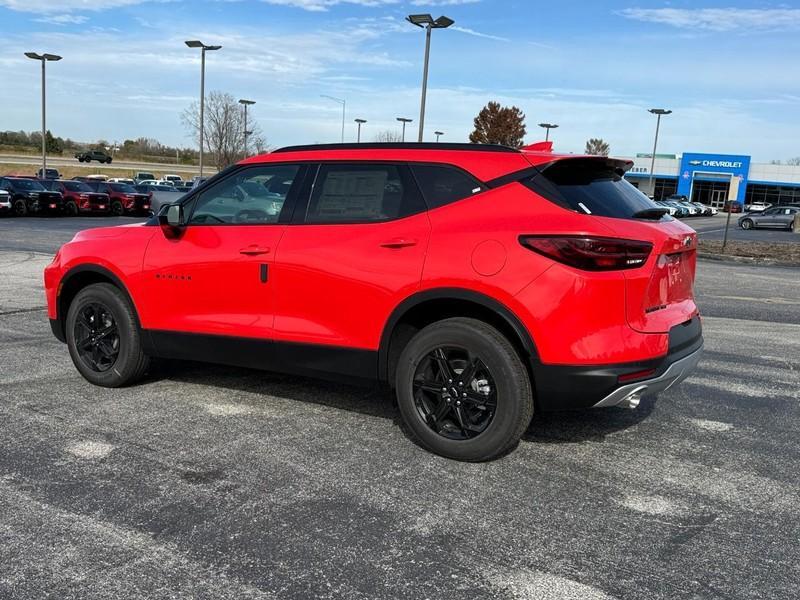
<point x="548" y="127"/>
<point x="44" y="58"/>
<point x="427" y="23"/>
<point x="341" y="101"/>
<point x="658" y="112"/>
<point x="204" y="48"/>
<point x="246" y="103"/>
<point x="438" y="134"/>
<point x="360" y="123"/>
<point x="403" y="120"/>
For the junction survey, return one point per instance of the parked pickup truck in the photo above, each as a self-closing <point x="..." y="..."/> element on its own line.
<point x="90" y="155"/>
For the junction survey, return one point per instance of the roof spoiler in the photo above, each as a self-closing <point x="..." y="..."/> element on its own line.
<point x="538" y="147"/>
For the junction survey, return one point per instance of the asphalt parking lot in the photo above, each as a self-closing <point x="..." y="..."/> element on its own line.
<point x="713" y="228"/>
<point x="214" y="482"/>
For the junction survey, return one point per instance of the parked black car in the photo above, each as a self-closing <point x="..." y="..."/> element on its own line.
<point x="90" y="155"/>
<point x="48" y="174"/>
<point x="28" y="196"/>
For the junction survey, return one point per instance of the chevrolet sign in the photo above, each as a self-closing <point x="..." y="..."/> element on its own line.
<point x="725" y="164"/>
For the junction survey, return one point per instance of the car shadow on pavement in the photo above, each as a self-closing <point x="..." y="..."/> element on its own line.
<point x="567" y="427"/>
<point x="591" y="425"/>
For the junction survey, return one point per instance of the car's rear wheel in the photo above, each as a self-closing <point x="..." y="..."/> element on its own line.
<point x="103" y="337"/>
<point x="117" y="209"/>
<point x="747" y="224"/>
<point x="463" y="390"/>
<point x="20" y="208"/>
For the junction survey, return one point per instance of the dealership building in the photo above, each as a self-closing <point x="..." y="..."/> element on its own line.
<point x="714" y="179"/>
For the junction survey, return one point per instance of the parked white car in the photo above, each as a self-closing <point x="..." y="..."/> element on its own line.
<point x="175" y="179"/>
<point x="167" y="182"/>
<point x="757" y="207"/>
<point x="5" y="202"/>
<point x="124" y="180"/>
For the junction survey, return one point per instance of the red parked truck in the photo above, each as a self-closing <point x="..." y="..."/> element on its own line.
<point x="479" y="282"/>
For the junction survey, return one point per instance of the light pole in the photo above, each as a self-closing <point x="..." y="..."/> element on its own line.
<point x="427" y="23"/>
<point x="438" y="134"/>
<point x="658" y="112"/>
<point x="246" y="103"/>
<point x="44" y="58"/>
<point x="360" y="123"/>
<point x="403" y="120"/>
<point x="548" y="127"/>
<point x="341" y="101"/>
<point x="204" y="48"/>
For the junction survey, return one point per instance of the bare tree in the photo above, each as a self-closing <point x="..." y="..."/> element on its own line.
<point x="223" y="128"/>
<point x="597" y="147"/>
<point x="497" y="124"/>
<point x="388" y="135"/>
<point x="793" y="161"/>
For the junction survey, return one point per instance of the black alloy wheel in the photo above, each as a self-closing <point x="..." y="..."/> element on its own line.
<point x="455" y="393"/>
<point x="117" y="209"/>
<point x="747" y="224"/>
<point x="20" y="208"/>
<point x="463" y="390"/>
<point x="97" y="337"/>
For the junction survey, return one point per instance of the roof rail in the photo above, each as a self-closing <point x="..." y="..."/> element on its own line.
<point x="400" y="146"/>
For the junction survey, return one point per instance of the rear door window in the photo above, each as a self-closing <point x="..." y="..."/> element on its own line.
<point x="362" y="193"/>
<point x="590" y="186"/>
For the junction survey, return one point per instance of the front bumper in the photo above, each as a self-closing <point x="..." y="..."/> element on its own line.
<point x="562" y="387"/>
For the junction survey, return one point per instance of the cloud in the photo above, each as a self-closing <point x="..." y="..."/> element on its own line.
<point x="66" y="19"/>
<point x="322" y="5"/>
<point x="719" y="19"/>
<point x="479" y="34"/>
<point x="64" y="6"/>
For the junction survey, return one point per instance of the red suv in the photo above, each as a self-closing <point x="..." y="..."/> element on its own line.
<point x="78" y="197"/>
<point x="123" y="197"/>
<point x="477" y="281"/>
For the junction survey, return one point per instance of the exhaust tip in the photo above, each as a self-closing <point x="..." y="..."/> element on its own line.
<point x="633" y="399"/>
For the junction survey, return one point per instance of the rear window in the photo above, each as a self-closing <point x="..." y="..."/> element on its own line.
<point x="590" y="186"/>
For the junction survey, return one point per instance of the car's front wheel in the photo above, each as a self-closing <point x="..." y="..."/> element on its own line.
<point x="747" y="224"/>
<point x="117" y="209"/>
<point x="103" y="337"/>
<point x="463" y="390"/>
<point x="20" y="208"/>
<point x="71" y="209"/>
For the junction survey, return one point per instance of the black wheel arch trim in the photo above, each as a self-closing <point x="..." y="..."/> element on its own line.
<point x="462" y="294"/>
<point x="57" y="324"/>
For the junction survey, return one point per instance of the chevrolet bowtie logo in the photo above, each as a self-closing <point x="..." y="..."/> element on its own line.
<point x="695" y="162"/>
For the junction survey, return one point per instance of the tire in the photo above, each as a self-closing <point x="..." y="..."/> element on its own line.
<point x="20" y="208"/>
<point x="71" y="209"/>
<point x="501" y="383"/>
<point x="116" y="359"/>
<point x="791" y="225"/>
<point x="117" y="209"/>
<point x="108" y="161"/>
<point x="747" y="224"/>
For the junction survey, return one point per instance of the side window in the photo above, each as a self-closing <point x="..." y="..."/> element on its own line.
<point x="253" y="196"/>
<point x="362" y="193"/>
<point x="442" y="185"/>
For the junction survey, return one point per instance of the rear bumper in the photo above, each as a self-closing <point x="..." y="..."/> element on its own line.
<point x="675" y="373"/>
<point x="578" y="387"/>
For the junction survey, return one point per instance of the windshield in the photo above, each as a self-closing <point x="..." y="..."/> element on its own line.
<point x="123" y="187"/>
<point x="77" y="186"/>
<point x="28" y="185"/>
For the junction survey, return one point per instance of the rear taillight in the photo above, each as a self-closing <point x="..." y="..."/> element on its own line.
<point x="590" y="253"/>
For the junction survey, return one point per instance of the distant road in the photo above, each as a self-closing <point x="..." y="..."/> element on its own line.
<point x="27" y="159"/>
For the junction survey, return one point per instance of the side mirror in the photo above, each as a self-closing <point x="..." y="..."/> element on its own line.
<point x="175" y="216"/>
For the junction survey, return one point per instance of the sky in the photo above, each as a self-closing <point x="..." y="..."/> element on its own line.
<point x="728" y="69"/>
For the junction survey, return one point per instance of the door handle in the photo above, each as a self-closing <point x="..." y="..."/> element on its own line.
<point x="398" y="243"/>
<point x="254" y="250"/>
